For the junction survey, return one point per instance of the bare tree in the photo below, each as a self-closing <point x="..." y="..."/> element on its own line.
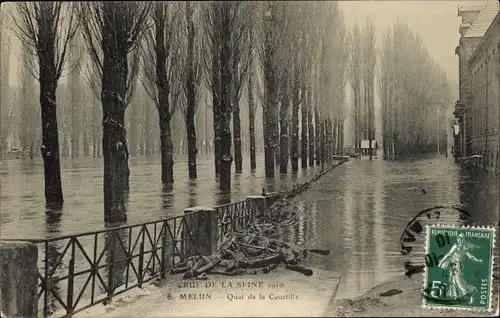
<point x="284" y="69"/>
<point x="160" y="64"/>
<point x="251" y="99"/>
<point x="95" y="49"/>
<point x="411" y="87"/>
<point x="226" y="13"/>
<point x="112" y="33"/>
<point x="46" y="29"/>
<point x="192" y="81"/>
<point x="6" y="96"/>
<point x="299" y="28"/>
<point x="75" y="101"/>
<point x="239" y="70"/>
<point x="28" y="125"/>
<point x="272" y="33"/>
<point x="222" y="29"/>
<point x="355" y="72"/>
<point x="211" y="65"/>
<point x="369" y="60"/>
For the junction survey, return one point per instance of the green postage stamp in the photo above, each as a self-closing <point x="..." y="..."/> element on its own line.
<point x="459" y="267"/>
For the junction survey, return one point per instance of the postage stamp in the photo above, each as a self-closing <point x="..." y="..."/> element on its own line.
<point x="459" y="267"/>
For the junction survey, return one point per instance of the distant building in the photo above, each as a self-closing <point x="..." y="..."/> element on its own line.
<point x="477" y="113"/>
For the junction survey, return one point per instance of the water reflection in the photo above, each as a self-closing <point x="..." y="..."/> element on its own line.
<point x="167" y="196"/>
<point x="378" y="218"/>
<point x="22" y="201"/>
<point x="359" y="211"/>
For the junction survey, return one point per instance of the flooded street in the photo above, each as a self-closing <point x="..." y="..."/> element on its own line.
<point x="22" y="201"/>
<point x="358" y="211"/>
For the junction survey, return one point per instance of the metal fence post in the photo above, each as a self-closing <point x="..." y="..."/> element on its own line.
<point x="164" y="243"/>
<point x="111" y="267"/>
<point x="71" y="273"/>
<point x="141" y="264"/>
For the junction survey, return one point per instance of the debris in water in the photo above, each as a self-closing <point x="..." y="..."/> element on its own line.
<point x="391" y="292"/>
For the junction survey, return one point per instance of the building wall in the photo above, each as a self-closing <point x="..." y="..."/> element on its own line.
<point x="484" y="107"/>
<point x="465" y="50"/>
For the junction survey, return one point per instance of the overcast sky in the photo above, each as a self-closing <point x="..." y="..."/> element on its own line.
<point x="435" y="21"/>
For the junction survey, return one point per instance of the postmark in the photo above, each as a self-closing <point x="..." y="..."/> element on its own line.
<point x="459" y="267"/>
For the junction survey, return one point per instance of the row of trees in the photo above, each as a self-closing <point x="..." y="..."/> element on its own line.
<point x="363" y="60"/>
<point x="414" y="93"/>
<point x="290" y="56"/>
<point x="278" y="51"/>
<point x="303" y="58"/>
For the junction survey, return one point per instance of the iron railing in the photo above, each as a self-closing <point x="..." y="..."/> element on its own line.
<point x="234" y="217"/>
<point x="90" y="268"/>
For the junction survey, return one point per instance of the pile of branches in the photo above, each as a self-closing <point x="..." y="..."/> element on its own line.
<point x="256" y="248"/>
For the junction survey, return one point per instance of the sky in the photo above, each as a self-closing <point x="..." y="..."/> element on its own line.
<point x="435" y="21"/>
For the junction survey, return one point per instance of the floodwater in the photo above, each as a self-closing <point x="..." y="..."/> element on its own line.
<point x="360" y="209"/>
<point x="22" y="201"/>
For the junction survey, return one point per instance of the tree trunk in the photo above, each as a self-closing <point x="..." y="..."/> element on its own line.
<point x="191" y="142"/>
<point x="270" y="111"/>
<point x="303" y="128"/>
<point x="163" y="107"/>
<point x="65" y="148"/>
<point x="50" y="141"/>
<point x="114" y="143"/>
<point x="95" y="129"/>
<point x="217" y="136"/>
<point x="75" y="146"/>
<point x="319" y="133"/>
<point x="238" y="159"/>
<point x="335" y="136"/>
<point x="251" y="119"/>
<point x="328" y="141"/>
<point x="225" y="114"/>
<point x="295" y="125"/>
<point x="310" y="130"/>
<point x="86" y="146"/>
<point x="191" y="97"/>
<point x="126" y="170"/>
<point x="217" y="107"/>
<point x="322" y="143"/>
<point x="284" y="134"/>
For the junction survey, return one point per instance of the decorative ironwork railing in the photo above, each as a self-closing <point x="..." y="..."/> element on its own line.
<point x="82" y="270"/>
<point x="234" y="217"/>
<point x="90" y="268"/>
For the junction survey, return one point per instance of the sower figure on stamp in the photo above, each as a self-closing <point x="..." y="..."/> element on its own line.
<point x="459" y="287"/>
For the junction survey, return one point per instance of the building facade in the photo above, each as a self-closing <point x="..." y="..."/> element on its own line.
<point x="477" y="113"/>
